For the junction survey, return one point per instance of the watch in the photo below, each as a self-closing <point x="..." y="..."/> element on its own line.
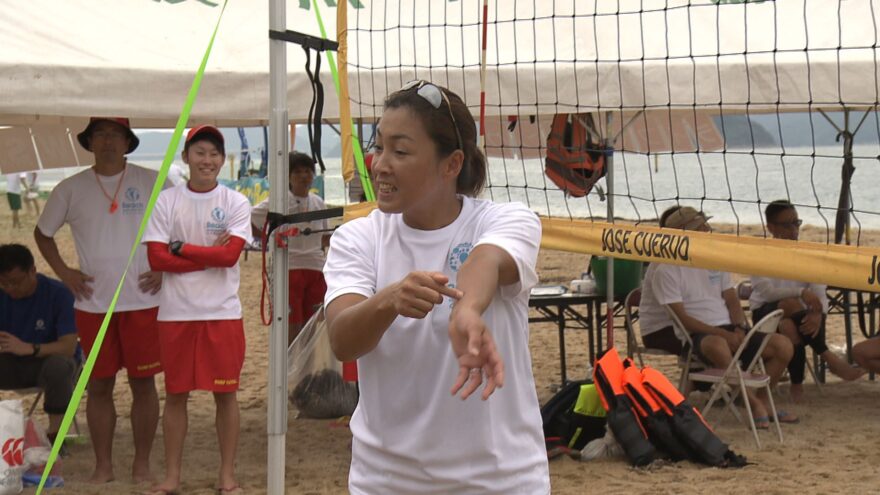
<point x="175" y="247"/>
<point x="36" y="350"/>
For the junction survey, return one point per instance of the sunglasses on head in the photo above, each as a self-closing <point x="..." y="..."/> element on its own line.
<point x="435" y="96"/>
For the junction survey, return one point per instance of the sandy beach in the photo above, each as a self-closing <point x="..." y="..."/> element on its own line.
<point x="834" y="449"/>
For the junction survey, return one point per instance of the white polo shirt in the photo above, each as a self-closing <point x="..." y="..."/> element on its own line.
<point x="698" y="289"/>
<point x="103" y="240"/>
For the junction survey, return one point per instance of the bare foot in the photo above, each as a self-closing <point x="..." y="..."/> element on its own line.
<point x="796" y="391"/>
<point x="162" y="489"/>
<point x="139" y="476"/>
<point x="101" y="476"/>
<point x="848" y="373"/>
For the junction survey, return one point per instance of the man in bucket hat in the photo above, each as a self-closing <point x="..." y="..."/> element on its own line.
<point x="104" y="206"/>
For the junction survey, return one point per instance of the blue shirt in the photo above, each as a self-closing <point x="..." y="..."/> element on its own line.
<point x="42" y="317"/>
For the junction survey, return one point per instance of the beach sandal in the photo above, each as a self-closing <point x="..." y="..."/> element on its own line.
<point x="762" y="422"/>
<point x="785" y="417"/>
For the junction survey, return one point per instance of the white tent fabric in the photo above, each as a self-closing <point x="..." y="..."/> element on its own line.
<point x="138" y="57"/>
<point x="553" y="57"/>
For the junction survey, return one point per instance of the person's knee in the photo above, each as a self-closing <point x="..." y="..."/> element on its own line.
<point x="176" y="400"/>
<point x="58" y="370"/>
<point x="142" y="386"/>
<point x="779" y="347"/>
<point x="102" y="388"/>
<point x="789" y="329"/>
<point x="715" y="349"/>
<point x="790" y="305"/>
<point x="225" y="398"/>
<point x="865" y="352"/>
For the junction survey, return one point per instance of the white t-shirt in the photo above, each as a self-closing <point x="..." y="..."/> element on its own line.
<point x="699" y="289"/>
<point x="766" y="290"/>
<point x="199" y="218"/>
<point x="410" y="434"/>
<point x="13" y="183"/>
<point x="103" y="239"/>
<point x="303" y="251"/>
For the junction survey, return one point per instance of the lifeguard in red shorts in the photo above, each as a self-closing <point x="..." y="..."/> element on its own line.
<point x="195" y="235"/>
<point x="104" y="206"/>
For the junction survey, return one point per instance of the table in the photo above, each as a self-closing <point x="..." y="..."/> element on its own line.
<point x="583" y="310"/>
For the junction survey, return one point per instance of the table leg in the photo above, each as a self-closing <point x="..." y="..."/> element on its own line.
<point x="562" y="366"/>
<point x="591" y="348"/>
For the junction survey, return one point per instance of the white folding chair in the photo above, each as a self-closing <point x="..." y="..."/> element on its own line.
<point x="687" y="361"/>
<point x="634" y="342"/>
<point x="744" y="292"/>
<point x="728" y="383"/>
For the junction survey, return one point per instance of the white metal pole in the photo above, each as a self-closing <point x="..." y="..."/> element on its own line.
<point x="609" y="276"/>
<point x="276" y="424"/>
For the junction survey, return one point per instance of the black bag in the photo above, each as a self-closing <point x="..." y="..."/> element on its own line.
<point x="569" y="419"/>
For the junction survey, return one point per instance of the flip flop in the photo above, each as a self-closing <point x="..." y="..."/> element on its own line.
<point x="785" y="417"/>
<point x="232" y="490"/>
<point x="762" y="422"/>
<point x="160" y="491"/>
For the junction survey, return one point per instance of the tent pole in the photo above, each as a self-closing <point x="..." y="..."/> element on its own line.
<point x="609" y="276"/>
<point x="276" y="423"/>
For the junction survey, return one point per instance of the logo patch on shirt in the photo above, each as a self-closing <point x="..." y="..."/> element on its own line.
<point x="40" y="325"/>
<point x="458" y="255"/>
<point x="218" y="226"/>
<point x="131" y="201"/>
<point x="218" y="214"/>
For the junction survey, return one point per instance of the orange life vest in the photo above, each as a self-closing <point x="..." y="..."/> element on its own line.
<point x="574" y="163"/>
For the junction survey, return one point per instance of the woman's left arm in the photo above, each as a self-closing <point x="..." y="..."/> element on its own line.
<point x="486" y="268"/>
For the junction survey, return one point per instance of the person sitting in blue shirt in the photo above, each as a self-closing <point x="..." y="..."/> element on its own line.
<point x="37" y="332"/>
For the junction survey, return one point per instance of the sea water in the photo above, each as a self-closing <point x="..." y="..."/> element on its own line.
<point x="726" y="186"/>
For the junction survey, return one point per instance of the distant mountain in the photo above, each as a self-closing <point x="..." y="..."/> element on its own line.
<point x="793" y="130"/>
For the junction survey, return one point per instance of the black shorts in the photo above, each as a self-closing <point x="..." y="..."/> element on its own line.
<point x="745" y="358"/>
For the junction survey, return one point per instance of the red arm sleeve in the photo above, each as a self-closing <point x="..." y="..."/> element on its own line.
<point x="225" y="256"/>
<point x="163" y="261"/>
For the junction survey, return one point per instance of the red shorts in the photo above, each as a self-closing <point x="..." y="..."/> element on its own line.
<point x="306" y="290"/>
<point x="131" y="341"/>
<point x="201" y="355"/>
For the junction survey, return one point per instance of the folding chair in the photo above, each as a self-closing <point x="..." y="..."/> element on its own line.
<point x="744" y="292"/>
<point x="39" y="395"/>
<point x="689" y="360"/>
<point x="633" y="340"/>
<point x="728" y="383"/>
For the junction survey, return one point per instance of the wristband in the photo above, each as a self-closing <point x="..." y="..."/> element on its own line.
<point x="175" y="247"/>
<point x="36" y="350"/>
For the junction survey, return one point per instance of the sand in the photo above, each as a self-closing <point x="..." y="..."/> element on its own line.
<point x="833" y="450"/>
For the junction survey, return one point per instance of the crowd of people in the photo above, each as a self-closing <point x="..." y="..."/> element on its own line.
<point x="434" y="283"/>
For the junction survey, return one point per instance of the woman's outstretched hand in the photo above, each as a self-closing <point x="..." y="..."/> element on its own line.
<point x="478" y="358"/>
<point x="417" y="294"/>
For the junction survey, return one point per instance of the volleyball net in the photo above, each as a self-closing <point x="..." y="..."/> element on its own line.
<point x="724" y="106"/>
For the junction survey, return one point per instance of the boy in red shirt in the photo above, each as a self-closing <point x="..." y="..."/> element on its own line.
<point x="195" y="235"/>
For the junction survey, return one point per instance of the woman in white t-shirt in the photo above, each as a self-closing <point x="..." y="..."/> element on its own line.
<point x="430" y="294"/>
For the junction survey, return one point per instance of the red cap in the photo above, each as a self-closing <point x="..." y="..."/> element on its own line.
<point x="195" y="131"/>
<point x="85" y="135"/>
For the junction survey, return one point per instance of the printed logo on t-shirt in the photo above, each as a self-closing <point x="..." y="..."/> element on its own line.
<point x="458" y="255"/>
<point x="715" y="277"/>
<point x="40" y="325"/>
<point x="131" y="202"/>
<point x="218" y="226"/>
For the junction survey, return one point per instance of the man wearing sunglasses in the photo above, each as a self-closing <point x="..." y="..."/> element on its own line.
<point x="804" y="304"/>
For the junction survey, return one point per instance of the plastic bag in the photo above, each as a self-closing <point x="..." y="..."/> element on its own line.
<point x="37" y="448"/>
<point x="317" y="389"/>
<point x="11" y="446"/>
